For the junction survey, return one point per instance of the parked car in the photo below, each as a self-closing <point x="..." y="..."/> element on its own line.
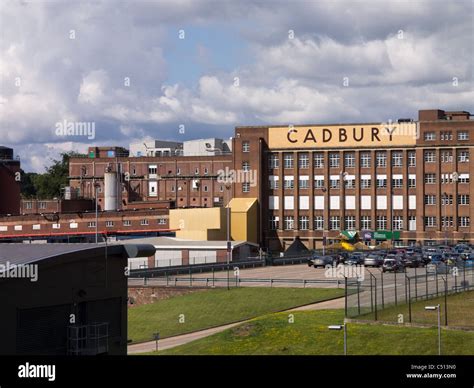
<point x="322" y="261"/>
<point x="356" y="258"/>
<point x="373" y="260"/>
<point x="413" y="261"/>
<point x="392" y="264"/>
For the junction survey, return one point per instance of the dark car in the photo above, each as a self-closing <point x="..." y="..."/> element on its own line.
<point x="355" y="259"/>
<point x="413" y="261"/>
<point x="392" y="264"/>
<point x="323" y="261"/>
<point x="373" y="260"/>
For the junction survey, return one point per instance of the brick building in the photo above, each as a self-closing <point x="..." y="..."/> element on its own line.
<point x="409" y="177"/>
<point x="9" y="182"/>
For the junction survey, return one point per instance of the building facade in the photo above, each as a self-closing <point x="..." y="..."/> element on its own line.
<point x="9" y="182"/>
<point x="407" y="181"/>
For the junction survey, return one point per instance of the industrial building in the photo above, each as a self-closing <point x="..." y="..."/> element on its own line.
<point x="407" y="181"/>
<point x="9" y="182"/>
<point x="65" y="298"/>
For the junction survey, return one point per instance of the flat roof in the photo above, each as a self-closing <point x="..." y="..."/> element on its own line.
<point x="177" y="243"/>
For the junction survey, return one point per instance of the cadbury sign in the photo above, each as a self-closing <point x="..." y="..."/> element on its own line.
<point x="371" y="135"/>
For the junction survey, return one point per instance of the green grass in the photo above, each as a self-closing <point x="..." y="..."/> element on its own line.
<point x="460" y="311"/>
<point x="216" y="307"/>
<point x="309" y="335"/>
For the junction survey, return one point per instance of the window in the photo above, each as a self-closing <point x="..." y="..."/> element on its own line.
<point x="412" y="182"/>
<point x="365" y="183"/>
<point x="381" y="159"/>
<point x="333" y="159"/>
<point x="349" y="159"/>
<point x="430" y="222"/>
<point x="246" y="187"/>
<point x="318" y="183"/>
<point x="430" y="157"/>
<point x="152" y="169"/>
<point x="334" y="182"/>
<point x="144" y="222"/>
<point x="196" y="171"/>
<point x="411" y="222"/>
<point x="463" y="156"/>
<point x="365" y="222"/>
<point x="29" y="205"/>
<point x="463" y="199"/>
<point x="273" y="161"/>
<point x="397" y="183"/>
<point x="303" y="161"/>
<point x="173" y="189"/>
<point x="446" y="135"/>
<point x="206" y="170"/>
<point x="446" y="156"/>
<point x="381" y="183"/>
<point x="365" y="159"/>
<point x="397" y="223"/>
<point x="109" y="224"/>
<point x="447" y="222"/>
<point x="303" y="182"/>
<point x="349" y="183"/>
<point x="318" y="160"/>
<point x="463" y="135"/>
<point x="42" y="205"/>
<point x="446" y="199"/>
<point x="273" y="182"/>
<point x="274" y="222"/>
<point x="463" y="178"/>
<point x="245" y="146"/>
<point x="91" y="224"/>
<point x="430" y="178"/>
<point x="246" y="166"/>
<point x="430" y="199"/>
<point x="161" y="221"/>
<point x="205" y="188"/>
<point x="304" y="222"/>
<point x="289" y="183"/>
<point x="397" y="159"/>
<point x="127" y="223"/>
<point x="288" y="160"/>
<point x="334" y="223"/>
<point x="411" y="158"/>
<point x="318" y="223"/>
<point x="178" y="171"/>
<point x="429" y="136"/>
<point x="464" y="222"/>
<point x="382" y="222"/>
<point x="289" y="223"/>
<point x="350" y="223"/>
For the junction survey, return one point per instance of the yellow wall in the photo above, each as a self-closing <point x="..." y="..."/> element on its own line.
<point x="244" y="219"/>
<point x="199" y="224"/>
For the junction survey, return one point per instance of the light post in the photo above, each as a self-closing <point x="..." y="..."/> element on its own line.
<point x="438" y="308"/>
<point x="323" y="189"/>
<point x="228" y="185"/>
<point x="341" y="327"/>
<point x="444" y="202"/>
<point x="391" y="210"/>
<point x="96" y="186"/>
<point x="343" y="175"/>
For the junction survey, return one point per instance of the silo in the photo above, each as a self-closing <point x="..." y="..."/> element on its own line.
<point x="110" y="191"/>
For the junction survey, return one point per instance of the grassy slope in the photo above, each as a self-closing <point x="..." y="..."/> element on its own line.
<point x="309" y="335"/>
<point x="460" y="311"/>
<point x="216" y="307"/>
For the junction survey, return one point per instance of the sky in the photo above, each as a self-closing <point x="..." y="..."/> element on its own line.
<point x="141" y="70"/>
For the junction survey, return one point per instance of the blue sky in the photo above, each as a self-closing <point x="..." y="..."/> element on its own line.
<point x="397" y="56"/>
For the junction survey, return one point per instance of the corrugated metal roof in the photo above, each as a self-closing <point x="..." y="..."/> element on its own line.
<point x="170" y="242"/>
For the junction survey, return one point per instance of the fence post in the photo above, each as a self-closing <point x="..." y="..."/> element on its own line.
<point x="406" y="289"/>
<point x="167" y="279"/>
<point x="383" y="300"/>
<point x="416" y="285"/>
<point x="144" y="280"/>
<point x="345" y="296"/>
<point x="358" y="297"/>
<point x="464" y="276"/>
<point x="396" y="295"/>
<point x="190" y="278"/>
<point x="426" y="283"/>
<point x="213" y="278"/>
<point x="371" y="296"/>
<point x="436" y="276"/>
<point x="409" y="298"/>
<point x="446" y="301"/>
<point x="375" y="281"/>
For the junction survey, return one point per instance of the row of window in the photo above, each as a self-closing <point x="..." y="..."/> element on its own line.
<point x="365" y="222"/>
<point x="463" y="222"/>
<point x="90" y="224"/>
<point x="430" y="178"/>
<point x="447" y="199"/>
<point x="153" y="171"/>
<point x="334" y="183"/>
<point x="446" y="135"/>
<point x="446" y="156"/>
<point x="335" y="223"/>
